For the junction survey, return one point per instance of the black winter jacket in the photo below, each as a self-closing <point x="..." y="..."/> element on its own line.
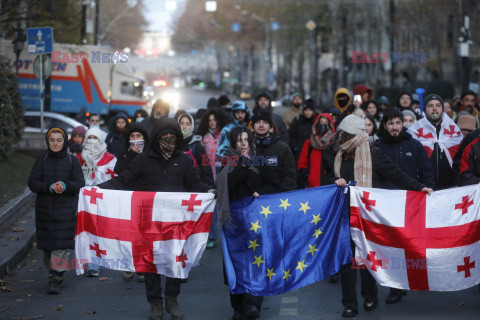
<point x="149" y="171"/>
<point x="410" y="156"/>
<point x="383" y="171"/>
<point x="116" y="140"/>
<point x="244" y="180"/>
<point x="443" y="173"/>
<point x="55" y="214"/>
<point x="279" y="156"/>
<point x="127" y="156"/>
<point x="300" y="131"/>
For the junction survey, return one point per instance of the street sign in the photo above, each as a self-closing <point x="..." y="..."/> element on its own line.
<point x="310" y="25"/>
<point x="236" y="27"/>
<point x="275" y="26"/>
<point x="47" y="66"/>
<point x="40" y="40"/>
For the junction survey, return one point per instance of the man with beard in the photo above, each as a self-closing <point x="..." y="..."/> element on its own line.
<point x="98" y="166"/>
<point x="294" y="110"/>
<point x="160" y="109"/>
<point x="408" y="154"/>
<point x="241" y="117"/>
<point x="117" y="137"/>
<point x="162" y="168"/>
<point x="353" y="159"/>
<point x="467" y="101"/>
<point x="440" y="137"/>
<point x="264" y="102"/>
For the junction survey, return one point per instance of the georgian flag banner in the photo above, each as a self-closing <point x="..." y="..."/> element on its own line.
<point x="155" y="232"/>
<point x="449" y="138"/>
<point x="408" y="240"/>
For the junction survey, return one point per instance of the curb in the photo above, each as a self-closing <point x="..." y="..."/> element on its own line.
<point x="17" y="233"/>
<point x="14" y="208"/>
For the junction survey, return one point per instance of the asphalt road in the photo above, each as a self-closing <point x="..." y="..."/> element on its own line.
<point x="203" y="297"/>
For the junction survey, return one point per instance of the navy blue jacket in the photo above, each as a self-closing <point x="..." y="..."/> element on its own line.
<point x="410" y="156"/>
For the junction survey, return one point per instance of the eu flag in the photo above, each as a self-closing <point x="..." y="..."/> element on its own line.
<point x="284" y="241"/>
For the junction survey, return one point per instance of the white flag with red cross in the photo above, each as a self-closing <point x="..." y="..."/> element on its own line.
<point x="155" y="232"/>
<point x="409" y="240"/>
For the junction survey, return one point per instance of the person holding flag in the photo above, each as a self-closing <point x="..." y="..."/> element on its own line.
<point x="162" y="168"/>
<point x="98" y="166"/>
<point x="238" y="179"/>
<point x="440" y="137"/>
<point x="353" y="159"/>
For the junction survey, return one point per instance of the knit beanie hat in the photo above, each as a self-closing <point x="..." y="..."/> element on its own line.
<point x="431" y="97"/>
<point x="409" y="113"/>
<point x="352" y="124"/>
<point x="309" y="104"/>
<point x="262" y="115"/>
<point x="95" y="132"/>
<point x="466" y="122"/>
<point x="80" y="130"/>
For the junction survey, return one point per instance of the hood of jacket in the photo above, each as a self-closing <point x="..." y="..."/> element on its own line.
<point x="115" y="118"/>
<point x="408" y="94"/>
<point x="136" y="127"/>
<point x="329" y="118"/>
<point x="361" y="89"/>
<point x="342" y="91"/>
<point x="240" y="105"/>
<point x="66" y="142"/>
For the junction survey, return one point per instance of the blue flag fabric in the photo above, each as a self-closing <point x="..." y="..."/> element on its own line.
<point x="284" y="241"/>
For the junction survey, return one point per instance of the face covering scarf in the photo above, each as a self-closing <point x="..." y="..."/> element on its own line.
<point x="167" y="146"/>
<point x="140" y="144"/>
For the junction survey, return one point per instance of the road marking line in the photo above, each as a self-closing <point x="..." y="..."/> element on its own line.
<point x="288" y="312"/>
<point x="290" y="300"/>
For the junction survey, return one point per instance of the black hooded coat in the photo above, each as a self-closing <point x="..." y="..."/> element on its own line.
<point x="55" y="214"/>
<point x="149" y="171"/>
<point x="115" y="139"/>
<point x="128" y="155"/>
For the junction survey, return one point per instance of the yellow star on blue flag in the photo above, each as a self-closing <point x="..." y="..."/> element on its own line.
<point x="301" y="248"/>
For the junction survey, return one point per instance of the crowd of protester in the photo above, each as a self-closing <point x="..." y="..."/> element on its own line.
<point x="239" y="152"/>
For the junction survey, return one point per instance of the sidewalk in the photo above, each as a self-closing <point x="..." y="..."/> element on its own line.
<point x="17" y="230"/>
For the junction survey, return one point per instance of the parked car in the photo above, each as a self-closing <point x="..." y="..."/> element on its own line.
<point x="32" y="121"/>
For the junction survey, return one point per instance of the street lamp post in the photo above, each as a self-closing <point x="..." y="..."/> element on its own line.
<point x="18" y="44"/>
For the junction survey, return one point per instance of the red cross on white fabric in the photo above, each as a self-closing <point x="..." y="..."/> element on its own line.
<point x="111" y="173"/>
<point x="182" y="258"/>
<point x="450" y="132"/>
<point x="141" y="230"/>
<point x="368" y="202"/>
<point x="464" y="205"/>
<point x="414" y="238"/>
<point x="97" y="250"/>
<point x="191" y="203"/>
<point x="375" y="262"/>
<point x="466" y="267"/>
<point x="92" y="193"/>
<point x="426" y="136"/>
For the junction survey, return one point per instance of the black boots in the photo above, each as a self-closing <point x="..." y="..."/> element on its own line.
<point x="54" y="284"/>
<point x="172" y="307"/>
